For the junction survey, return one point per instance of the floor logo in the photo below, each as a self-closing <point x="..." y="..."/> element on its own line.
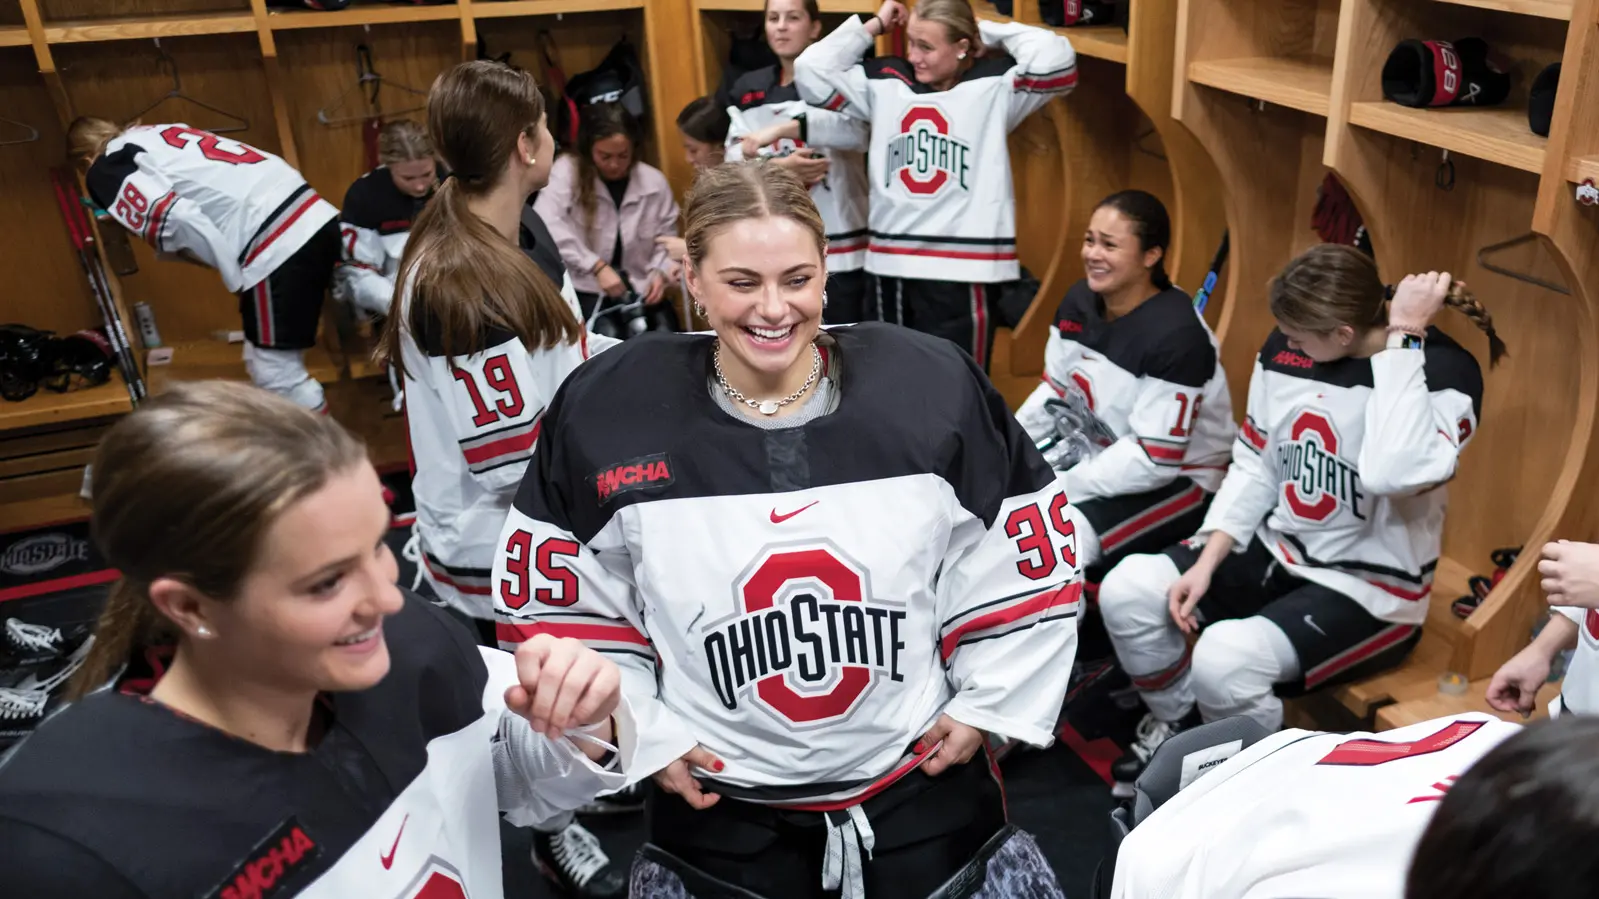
<point x="43" y="552"/>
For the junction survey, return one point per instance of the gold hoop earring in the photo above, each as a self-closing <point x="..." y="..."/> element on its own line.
<point x="699" y="310"/>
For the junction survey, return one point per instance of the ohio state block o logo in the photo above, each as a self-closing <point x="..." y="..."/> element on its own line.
<point x="935" y="121"/>
<point x="1319" y="504"/>
<point x="437" y="880"/>
<point x="760" y="591"/>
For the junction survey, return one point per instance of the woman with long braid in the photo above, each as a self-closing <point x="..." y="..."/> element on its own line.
<point x="1316" y="559"/>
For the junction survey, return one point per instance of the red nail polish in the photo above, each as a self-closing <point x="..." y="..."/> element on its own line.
<point x="718" y="766"/>
<point x="918" y="749"/>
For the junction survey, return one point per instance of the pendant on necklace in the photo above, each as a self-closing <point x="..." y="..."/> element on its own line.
<point x="768" y="407"/>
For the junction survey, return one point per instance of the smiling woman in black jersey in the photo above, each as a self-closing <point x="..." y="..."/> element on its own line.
<point x="827" y="563"/>
<point x="1129" y="348"/>
<point x="262" y="711"/>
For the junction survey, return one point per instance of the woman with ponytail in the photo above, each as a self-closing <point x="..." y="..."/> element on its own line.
<point x="1315" y="562"/>
<point x="1129" y="349"/>
<point x="488" y="329"/>
<point x="263" y="712"/>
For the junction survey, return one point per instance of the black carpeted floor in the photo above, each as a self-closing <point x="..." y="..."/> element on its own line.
<point x="53" y="577"/>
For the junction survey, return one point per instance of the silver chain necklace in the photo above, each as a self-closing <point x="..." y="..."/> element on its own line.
<point x="766" y="407"/>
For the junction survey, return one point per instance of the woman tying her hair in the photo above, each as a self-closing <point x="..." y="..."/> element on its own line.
<point x="1129" y="348"/>
<point x="279" y="718"/>
<point x="483" y="338"/>
<point x="824" y="149"/>
<point x="606" y="209"/>
<point x="943" y="210"/>
<point x="1315" y="562"/>
<point x="824" y="587"/>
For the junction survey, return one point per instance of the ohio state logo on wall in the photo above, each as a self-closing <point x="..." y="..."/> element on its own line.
<point x="809" y="640"/>
<point x="1315" y="479"/>
<point x="923" y="156"/>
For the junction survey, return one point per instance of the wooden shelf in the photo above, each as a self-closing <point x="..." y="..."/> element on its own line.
<point x="986" y="10"/>
<point x="362" y="15"/>
<point x="1302" y="83"/>
<point x="1580" y="168"/>
<point x="714" y="5"/>
<point x="1099" y="41"/>
<point x="496" y="9"/>
<point x="143" y="27"/>
<point x="202" y="359"/>
<point x="1545" y="9"/>
<point x="1417" y="677"/>
<point x="1496" y="135"/>
<point x="49" y="408"/>
<point x="13" y="36"/>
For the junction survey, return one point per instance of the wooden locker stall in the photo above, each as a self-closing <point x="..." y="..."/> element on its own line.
<point x="1279" y="92"/>
<point x="1113" y="132"/>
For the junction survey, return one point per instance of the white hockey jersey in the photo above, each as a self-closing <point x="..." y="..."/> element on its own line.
<point x="473" y="421"/>
<point x="758" y="101"/>
<point x="1340" y="468"/>
<point x="803" y="602"/>
<point x="1154" y="377"/>
<point x="374" y="224"/>
<point x="234" y="207"/>
<point x="1304" y="814"/>
<point x="1579" y="690"/>
<point x="942" y="202"/>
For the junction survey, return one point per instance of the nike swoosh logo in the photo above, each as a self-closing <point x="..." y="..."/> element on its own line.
<point x="779" y="519"/>
<point x="388" y="860"/>
<point x="1314" y="627"/>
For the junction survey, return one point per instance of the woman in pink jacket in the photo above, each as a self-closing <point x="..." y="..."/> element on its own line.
<point x="605" y="209"/>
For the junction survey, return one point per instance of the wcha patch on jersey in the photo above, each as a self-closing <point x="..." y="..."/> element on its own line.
<point x="268" y="868"/>
<point x="924" y="157"/>
<point x="642" y="473"/>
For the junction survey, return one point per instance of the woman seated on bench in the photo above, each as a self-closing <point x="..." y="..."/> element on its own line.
<point x="1316" y="558"/>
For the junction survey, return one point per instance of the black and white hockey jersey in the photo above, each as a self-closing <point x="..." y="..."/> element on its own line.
<point x="1340" y="467"/>
<point x="1154" y="377"/>
<point x="1300" y="813"/>
<point x="400" y="797"/>
<point x="1579" y="690"/>
<point x="803" y="602"/>
<point x="942" y="203"/>
<point x="759" y="99"/>
<point x="473" y="421"/>
<point x="238" y="209"/>
<point x="373" y="226"/>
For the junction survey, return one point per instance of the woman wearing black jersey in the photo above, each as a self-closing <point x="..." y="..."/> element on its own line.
<point x="1132" y="362"/>
<point x="279" y="718"/>
<point x="901" y="555"/>
<point x="823" y="148"/>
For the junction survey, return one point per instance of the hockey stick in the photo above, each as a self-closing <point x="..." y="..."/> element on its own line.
<point x="1202" y="298"/>
<point x="78" y="228"/>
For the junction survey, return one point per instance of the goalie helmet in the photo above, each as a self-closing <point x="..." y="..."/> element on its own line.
<point x="77" y="361"/>
<point x="22" y="361"/>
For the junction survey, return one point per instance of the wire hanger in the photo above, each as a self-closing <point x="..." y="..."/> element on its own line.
<point x="371" y="84"/>
<point x="240" y="123"/>
<point x="1482" y="260"/>
<point x="32" y="133"/>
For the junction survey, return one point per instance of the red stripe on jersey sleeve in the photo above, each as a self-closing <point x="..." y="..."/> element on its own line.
<point x="1252" y="436"/>
<point x="1162" y="453"/>
<point x="620" y="632"/>
<point x="1059" y="82"/>
<point x="516" y="443"/>
<point x="1066" y="595"/>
